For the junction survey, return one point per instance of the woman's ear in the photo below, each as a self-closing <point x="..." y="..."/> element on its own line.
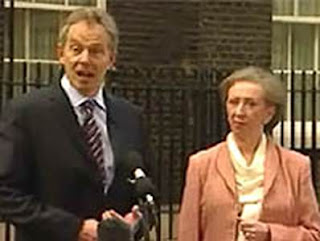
<point x="270" y="112"/>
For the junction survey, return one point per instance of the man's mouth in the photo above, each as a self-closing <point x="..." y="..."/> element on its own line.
<point x="84" y="74"/>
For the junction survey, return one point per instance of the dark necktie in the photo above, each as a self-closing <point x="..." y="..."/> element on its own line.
<point x="93" y="136"/>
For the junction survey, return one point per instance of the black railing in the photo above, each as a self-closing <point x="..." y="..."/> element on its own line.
<point x="183" y="113"/>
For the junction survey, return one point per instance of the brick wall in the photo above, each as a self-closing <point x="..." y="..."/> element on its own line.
<point x="235" y="33"/>
<point x="224" y="34"/>
<point x="156" y="32"/>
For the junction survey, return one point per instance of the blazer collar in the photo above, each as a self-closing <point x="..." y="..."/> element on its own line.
<point x="64" y="115"/>
<point x="117" y="136"/>
<point x="226" y="170"/>
<point x="67" y="117"/>
<point x="271" y="166"/>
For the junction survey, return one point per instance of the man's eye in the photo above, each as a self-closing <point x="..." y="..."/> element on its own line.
<point x="96" y="50"/>
<point x="75" y="49"/>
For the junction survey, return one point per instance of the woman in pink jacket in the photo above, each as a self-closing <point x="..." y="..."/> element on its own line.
<point x="248" y="187"/>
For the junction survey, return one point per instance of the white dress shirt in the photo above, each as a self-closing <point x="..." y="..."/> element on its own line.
<point x="100" y="115"/>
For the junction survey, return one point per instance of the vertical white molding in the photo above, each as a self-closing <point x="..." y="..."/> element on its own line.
<point x="316" y="54"/>
<point x="316" y="48"/>
<point x="27" y="32"/>
<point x="295" y="7"/>
<point x="290" y="68"/>
<point x="102" y="4"/>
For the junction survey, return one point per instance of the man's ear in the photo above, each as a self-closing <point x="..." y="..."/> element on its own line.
<point x="59" y="53"/>
<point x="113" y="58"/>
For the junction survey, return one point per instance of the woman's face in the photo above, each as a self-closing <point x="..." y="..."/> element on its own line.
<point x="247" y="109"/>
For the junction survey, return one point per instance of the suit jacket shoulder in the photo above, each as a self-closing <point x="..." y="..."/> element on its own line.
<point x="293" y="162"/>
<point x="203" y="159"/>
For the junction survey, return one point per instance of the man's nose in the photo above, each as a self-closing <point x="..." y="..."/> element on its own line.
<point x="84" y="56"/>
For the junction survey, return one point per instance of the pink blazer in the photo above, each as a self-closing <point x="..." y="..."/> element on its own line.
<point x="209" y="207"/>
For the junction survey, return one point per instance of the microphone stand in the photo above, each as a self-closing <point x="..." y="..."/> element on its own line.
<point x="145" y="219"/>
<point x="149" y="218"/>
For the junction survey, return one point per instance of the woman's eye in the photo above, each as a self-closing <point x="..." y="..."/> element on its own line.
<point x="252" y="103"/>
<point x="233" y="102"/>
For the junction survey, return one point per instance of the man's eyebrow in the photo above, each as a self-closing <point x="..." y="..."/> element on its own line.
<point x="95" y="45"/>
<point x="74" y="41"/>
<point x="90" y="45"/>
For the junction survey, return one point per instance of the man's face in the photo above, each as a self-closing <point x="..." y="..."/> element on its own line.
<point x="86" y="56"/>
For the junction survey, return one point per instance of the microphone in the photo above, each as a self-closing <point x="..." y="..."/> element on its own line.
<point x="143" y="186"/>
<point x="145" y="192"/>
<point x="144" y="189"/>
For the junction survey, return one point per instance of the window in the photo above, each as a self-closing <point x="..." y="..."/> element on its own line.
<point x="36" y="27"/>
<point x="296" y="57"/>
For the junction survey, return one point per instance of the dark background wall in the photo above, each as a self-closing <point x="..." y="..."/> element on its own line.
<point x="223" y="34"/>
<point x="153" y="32"/>
<point x="235" y="33"/>
<point x="181" y="36"/>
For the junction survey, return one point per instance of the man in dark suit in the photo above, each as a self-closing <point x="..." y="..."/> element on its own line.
<point x="62" y="163"/>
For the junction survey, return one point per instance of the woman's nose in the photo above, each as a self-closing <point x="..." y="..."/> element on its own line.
<point x="239" y="108"/>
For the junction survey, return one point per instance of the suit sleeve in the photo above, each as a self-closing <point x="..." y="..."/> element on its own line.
<point x="307" y="210"/>
<point x="189" y="217"/>
<point x="18" y="204"/>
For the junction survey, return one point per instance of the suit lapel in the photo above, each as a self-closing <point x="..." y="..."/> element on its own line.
<point x="65" y="116"/>
<point x="225" y="169"/>
<point x="113" y="126"/>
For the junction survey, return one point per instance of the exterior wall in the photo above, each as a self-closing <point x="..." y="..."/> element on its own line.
<point x="235" y="33"/>
<point x="156" y="32"/>
<point x="223" y="34"/>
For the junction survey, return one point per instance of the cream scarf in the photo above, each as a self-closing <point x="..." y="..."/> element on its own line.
<point x="249" y="179"/>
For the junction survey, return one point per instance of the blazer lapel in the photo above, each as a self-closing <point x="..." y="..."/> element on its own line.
<point x="225" y="168"/>
<point x="271" y="167"/>
<point x="65" y="116"/>
<point x="113" y="128"/>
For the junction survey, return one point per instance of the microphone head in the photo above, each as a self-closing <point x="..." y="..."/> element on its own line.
<point x="133" y="162"/>
<point x="143" y="186"/>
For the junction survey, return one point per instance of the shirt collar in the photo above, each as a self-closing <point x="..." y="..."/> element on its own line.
<point x="77" y="98"/>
